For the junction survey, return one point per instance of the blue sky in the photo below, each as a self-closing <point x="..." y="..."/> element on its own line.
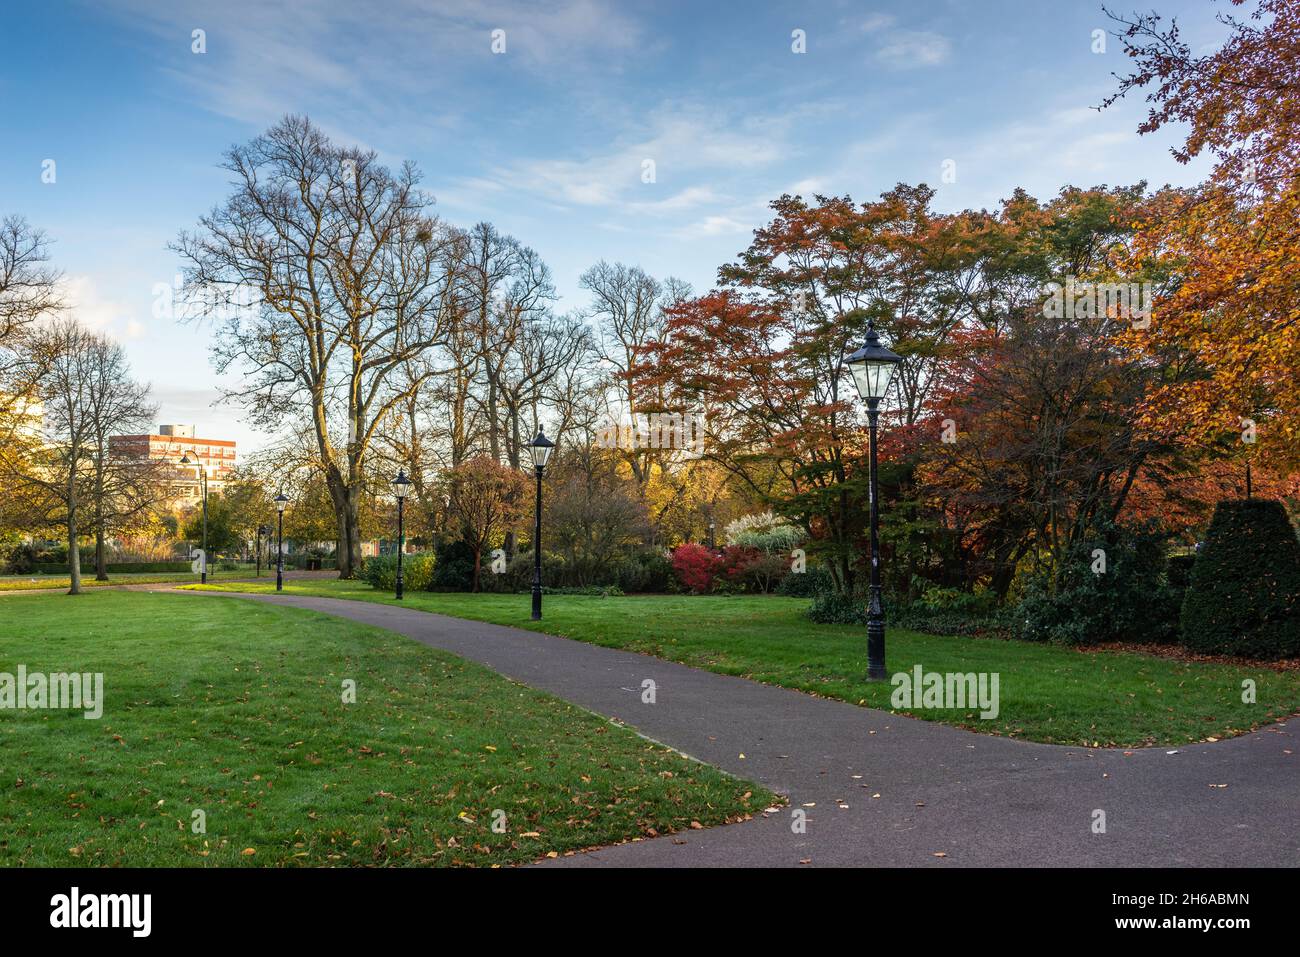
<point x="548" y="139"/>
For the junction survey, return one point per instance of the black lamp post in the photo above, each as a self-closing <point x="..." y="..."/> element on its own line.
<point x="540" y="448"/>
<point x="712" y="542"/>
<point x="401" y="485"/>
<point x="872" y="367"/>
<point x="281" y="501"/>
<point x="203" y="478"/>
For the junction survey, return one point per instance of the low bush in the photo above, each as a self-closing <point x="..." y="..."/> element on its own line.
<point x="766" y="572"/>
<point x="1129" y="600"/>
<point x="453" y="567"/>
<point x="695" y="568"/>
<point x="601" y="591"/>
<point x="936" y="621"/>
<point x="646" y="571"/>
<point x="837" y="608"/>
<point x="765" y="532"/>
<point x="119" y="568"/>
<point x="1243" y="596"/>
<point x="417" y="571"/>
<point x="518" y="576"/>
<point x="806" y="584"/>
<point x="20" y="559"/>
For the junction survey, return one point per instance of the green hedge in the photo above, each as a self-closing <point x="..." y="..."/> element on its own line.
<point x="1243" y="596"/>
<point x="417" y="571"/>
<point x="1129" y="601"/>
<point x="120" y="568"/>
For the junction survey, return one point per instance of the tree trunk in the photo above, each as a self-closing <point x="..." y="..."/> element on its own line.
<point x="101" y="566"/>
<point x="348" y="540"/>
<point x="74" y="555"/>
<point x="354" y="537"/>
<point x="494" y="420"/>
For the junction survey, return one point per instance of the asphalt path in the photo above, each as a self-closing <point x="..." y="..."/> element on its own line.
<point x="869" y="788"/>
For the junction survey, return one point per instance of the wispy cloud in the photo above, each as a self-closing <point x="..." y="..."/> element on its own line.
<point x="711" y="226"/>
<point x="907" y="49"/>
<point x="650" y="169"/>
<point x="904" y="48"/>
<point x="95" y="311"/>
<point x="382" y="62"/>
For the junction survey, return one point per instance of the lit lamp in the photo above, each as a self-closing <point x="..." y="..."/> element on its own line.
<point x="203" y="549"/>
<point x="401" y="485"/>
<point x="281" y="501"/>
<point x="540" y="449"/>
<point x="873" y="367"/>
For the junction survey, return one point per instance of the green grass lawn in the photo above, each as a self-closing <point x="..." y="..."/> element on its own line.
<point x="63" y="582"/>
<point x="1048" y="693"/>
<point x="236" y="709"/>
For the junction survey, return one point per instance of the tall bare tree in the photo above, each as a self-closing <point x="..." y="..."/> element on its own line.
<point x="29" y="289"/>
<point x="506" y="289"/>
<point x="122" y="488"/>
<point x="351" y="277"/>
<point x="78" y="390"/>
<point x="627" y="312"/>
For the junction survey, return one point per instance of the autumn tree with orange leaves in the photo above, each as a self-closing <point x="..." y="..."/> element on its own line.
<point x="1232" y="326"/>
<point x="763" y="356"/>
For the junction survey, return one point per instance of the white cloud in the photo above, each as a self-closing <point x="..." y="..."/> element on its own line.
<point x="390" y="64"/>
<point x="809" y="186"/>
<point x="906" y="49"/>
<point x="92" y="309"/>
<point x="683" y="141"/>
<point x="711" y="226"/>
<point x="686" y="199"/>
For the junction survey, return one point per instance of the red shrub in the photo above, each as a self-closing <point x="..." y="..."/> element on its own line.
<point x="695" y="566"/>
<point x="735" y="560"/>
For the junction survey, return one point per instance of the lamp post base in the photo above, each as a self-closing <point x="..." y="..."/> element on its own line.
<point x="876" y="640"/>
<point x="537" y="603"/>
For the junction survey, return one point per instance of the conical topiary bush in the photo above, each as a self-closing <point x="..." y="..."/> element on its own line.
<point x="1243" y="595"/>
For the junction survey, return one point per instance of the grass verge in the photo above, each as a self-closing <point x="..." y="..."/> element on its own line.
<point x="236" y="710"/>
<point x="1047" y="693"/>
